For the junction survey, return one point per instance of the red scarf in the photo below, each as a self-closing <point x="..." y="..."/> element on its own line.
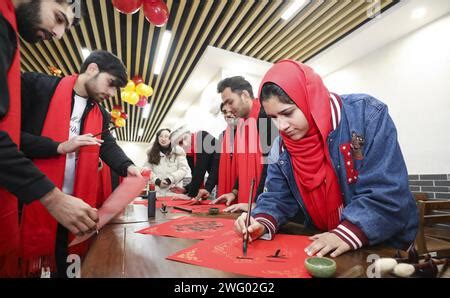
<point x="38" y="227"/>
<point x="10" y="123"/>
<point x="314" y="174"/>
<point x="104" y="188"/>
<point x="247" y="159"/>
<point x="227" y="175"/>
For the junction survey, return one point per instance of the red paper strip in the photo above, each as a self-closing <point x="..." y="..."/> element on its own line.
<point x="191" y="227"/>
<point x="222" y="253"/>
<point x="123" y="195"/>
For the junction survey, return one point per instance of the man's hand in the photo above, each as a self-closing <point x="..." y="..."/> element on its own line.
<point x="74" y="214"/>
<point x="203" y="194"/>
<point x="227" y="198"/>
<point x="133" y="171"/>
<point x="74" y="143"/>
<point x="325" y="243"/>
<point x="255" y="229"/>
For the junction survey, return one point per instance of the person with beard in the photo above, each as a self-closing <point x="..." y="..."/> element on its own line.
<point x="226" y="176"/>
<point x="255" y="133"/>
<point x="19" y="177"/>
<point x="59" y="120"/>
<point x="337" y="161"/>
<point x="168" y="164"/>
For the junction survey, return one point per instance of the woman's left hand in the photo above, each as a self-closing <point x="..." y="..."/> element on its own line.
<point x="325" y="243"/>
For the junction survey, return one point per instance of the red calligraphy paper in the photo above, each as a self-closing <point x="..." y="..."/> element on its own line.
<point x="123" y="195"/>
<point x="225" y="253"/>
<point x="191" y="227"/>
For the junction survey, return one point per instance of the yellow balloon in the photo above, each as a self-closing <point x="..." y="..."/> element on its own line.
<point x="130" y="87"/>
<point x="133" y="98"/>
<point x="115" y="113"/>
<point x="144" y="90"/>
<point x="125" y="95"/>
<point x="149" y="92"/>
<point x="140" y="89"/>
<point x="120" y="122"/>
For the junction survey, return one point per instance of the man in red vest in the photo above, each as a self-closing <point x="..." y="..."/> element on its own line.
<point x="19" y="178"/>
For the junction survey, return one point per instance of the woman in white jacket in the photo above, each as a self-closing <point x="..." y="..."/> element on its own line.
<point x="168" y="164"/>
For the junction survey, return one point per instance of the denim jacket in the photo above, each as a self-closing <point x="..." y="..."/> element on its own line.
<point x="378" y="202"/>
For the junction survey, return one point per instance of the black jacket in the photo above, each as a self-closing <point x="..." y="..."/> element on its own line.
<point x="37" y="92"/>
<point x="207" y="161"/>
<point x="18" y="174"/>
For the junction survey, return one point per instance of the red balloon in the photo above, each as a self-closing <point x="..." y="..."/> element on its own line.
<point x="124" y="116"/>
<point x="156" y="12"/>
<point x="137" y="80"/>
<point x="127" y="6"/>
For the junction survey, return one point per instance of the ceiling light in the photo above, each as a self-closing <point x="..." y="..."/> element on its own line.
<point x="146" y="111"/>
<point x="419" y="13"/>
<point x="85" y="53"/>
<point x="294" y="8"/>
<point x="163" y="48"/>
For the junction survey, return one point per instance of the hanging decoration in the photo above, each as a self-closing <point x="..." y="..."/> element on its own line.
<point x="55" y="71"/>
<point x="127" y="6"/>
<point x="155" y="11"/>
<point x="119" y="117"/>
<point x="136" y="92"/>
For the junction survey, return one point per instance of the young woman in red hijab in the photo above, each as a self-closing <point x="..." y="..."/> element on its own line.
<point x="338" y="161"/>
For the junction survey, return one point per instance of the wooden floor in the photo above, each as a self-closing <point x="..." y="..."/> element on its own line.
<point x="120" y="252"/>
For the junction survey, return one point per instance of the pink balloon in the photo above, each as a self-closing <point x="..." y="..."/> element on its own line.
<point x="142" y="102"/>
<point x="156" y="12"/>
<point x="127" y="6"/>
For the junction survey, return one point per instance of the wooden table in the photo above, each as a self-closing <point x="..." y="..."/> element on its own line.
<point x="120" y="252"/>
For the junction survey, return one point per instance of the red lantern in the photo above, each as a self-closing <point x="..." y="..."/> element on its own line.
<point x="124" y="116"/>
<point x="156" y="12"/>
<point x="127" y="6"/>
<point x="137" y="80"/>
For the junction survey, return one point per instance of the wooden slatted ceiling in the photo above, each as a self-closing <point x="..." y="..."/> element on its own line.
<point x="249" y="27"/>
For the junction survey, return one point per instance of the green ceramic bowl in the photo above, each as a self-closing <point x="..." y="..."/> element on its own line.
<point x="320" y="266"/>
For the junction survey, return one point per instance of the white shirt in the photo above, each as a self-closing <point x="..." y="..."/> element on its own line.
<point x="71" y="158"/>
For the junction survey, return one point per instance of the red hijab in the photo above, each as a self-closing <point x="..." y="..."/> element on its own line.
<point x="313" y="171"/>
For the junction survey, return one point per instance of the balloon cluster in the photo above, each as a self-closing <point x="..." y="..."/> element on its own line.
<point x="155" y="11"/>
<point x="136" y="92"/>
<point x="119" y="117"/>
<point x="55" y="71"/>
